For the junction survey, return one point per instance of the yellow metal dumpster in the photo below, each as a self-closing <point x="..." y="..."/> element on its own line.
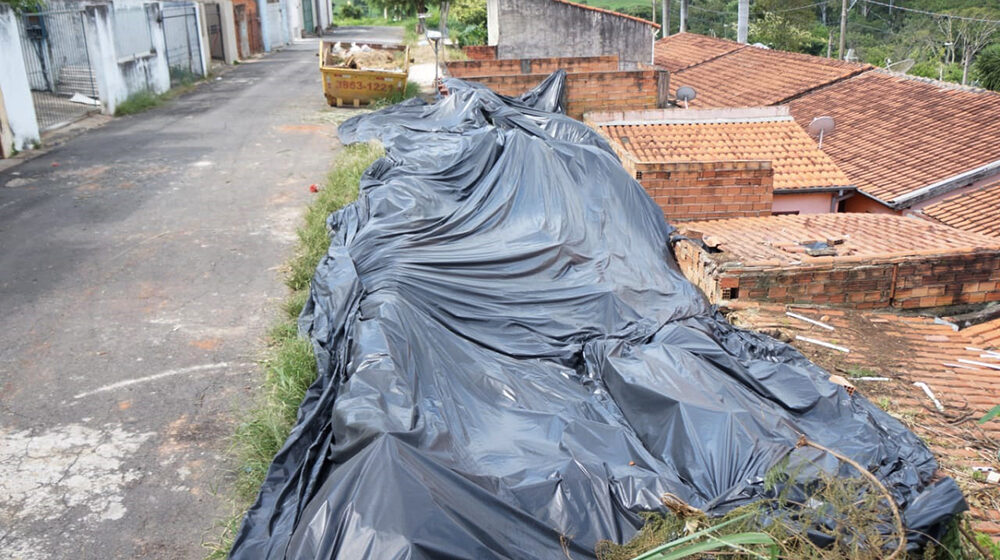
<point x="357" y="74"/>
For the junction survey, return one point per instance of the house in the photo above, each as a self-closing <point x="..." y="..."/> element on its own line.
<point x="889" y="354"/>
<point x="976" y="210"/>
<point x="729" y="74"/>
<point x="857" y="260"/>
<point x="651" y="144"/>
<point x="559" y="28"/>
<point x="907" y="142"/>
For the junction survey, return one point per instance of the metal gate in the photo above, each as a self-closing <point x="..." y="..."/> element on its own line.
<point x="274" y="19"/>
<point x="183" y="42"/>
<point x="308" y="26"/>
<point x="213" y="17"/>
<point x="57" y="61"/>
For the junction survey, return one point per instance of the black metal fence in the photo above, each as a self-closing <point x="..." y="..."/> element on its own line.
<point x="58" y="65"/>
<point x="183" y="39"/>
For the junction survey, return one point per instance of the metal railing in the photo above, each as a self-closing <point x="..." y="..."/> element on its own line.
<point x="57" y="63"/>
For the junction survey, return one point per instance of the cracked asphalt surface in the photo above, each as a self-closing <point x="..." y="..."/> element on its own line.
<point x="140" y="266"/>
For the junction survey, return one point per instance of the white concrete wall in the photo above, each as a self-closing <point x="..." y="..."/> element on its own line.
<point x="295" y="19"/>
<point x="21" y="124"/>
<point x="206" y="53"/>
<point x="117" y="79"/>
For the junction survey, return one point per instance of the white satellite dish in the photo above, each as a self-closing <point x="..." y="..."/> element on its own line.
<point x="903" y="66"/>
<point x="685" y="94"/>
<point x="821" y="126"/>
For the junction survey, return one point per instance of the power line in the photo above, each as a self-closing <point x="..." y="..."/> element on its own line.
<point x="935" y="14"/>
<point x="799" y="8"/>
<point x="700" y="9"/>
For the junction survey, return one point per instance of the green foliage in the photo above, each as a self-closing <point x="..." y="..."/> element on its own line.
<point x="987" y="68"/>
<point x="472" y="35"/>
<point x="138" y="102"/>
<point x="350" y="11"/>
<point x="25" y="6"/>
<point x="778" y="33"/>
<point x="289" y="364"/>
<point x="469" y="12"/>
<point x="993" y="413"/>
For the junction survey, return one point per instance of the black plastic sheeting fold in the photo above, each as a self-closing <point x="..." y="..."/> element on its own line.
<point x="511" y="365"/>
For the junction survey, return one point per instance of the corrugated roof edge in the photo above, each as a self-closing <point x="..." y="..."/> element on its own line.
<point x="596" y="9"/>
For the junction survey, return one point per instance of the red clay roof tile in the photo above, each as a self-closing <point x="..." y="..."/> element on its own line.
<point x="797" y="162"/>
<point x="977" y="211"/>
<point x="774" y="240"/>
<point x="897" y="134"/>
<point x="754" y="76"/>
<point x="682" y="50"/>
<point x="908" y="349"/>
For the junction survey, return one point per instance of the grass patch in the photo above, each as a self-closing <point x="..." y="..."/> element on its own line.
<point x="289" y="365"/>
<point x="184" y="81"/>
<point x="412" y="89"/>
<point x="851" y="507"/>
<point x="138" y="102"/>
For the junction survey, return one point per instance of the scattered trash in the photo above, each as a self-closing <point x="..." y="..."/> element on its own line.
<point x="810" y="321"/>
<point x="55" y="164"/>
<point x="872" y="379"/>
<point x="930" y="395"/>
<point x="940" y="321"/>
<point x="979" y="364"/>
<point x="84" y="100"/>
<point x="314" y="188"/>
<point x="823" y="344"/>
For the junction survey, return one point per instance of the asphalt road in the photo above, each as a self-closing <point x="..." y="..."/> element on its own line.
<point x="140" y="266"/>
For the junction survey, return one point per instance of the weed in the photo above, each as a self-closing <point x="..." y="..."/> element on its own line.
<point x="884" y="403"/>
<point x="138" y="102"/>
<point x="857" y="371"/>
<point x="412" y="89"/>
<point x="289" y="365"/>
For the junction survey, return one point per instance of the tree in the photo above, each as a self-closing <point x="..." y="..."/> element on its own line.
<point x="777" y="33"/>
<point x="988" y="67"/>
<point x="973" y="32"/>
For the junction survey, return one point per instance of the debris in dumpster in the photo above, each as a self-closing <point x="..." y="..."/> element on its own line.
<point x="511" y="364"/>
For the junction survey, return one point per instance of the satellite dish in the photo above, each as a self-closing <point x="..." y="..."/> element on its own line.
<point x="903" y="66"/>
<point x="821" y="126"/>
<point x="685" y="94"/>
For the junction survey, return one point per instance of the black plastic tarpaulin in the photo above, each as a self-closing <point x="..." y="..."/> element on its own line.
<point x="511" y="365"/>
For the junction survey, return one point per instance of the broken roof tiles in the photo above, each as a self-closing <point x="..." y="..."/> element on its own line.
<point x="785" y="240"/>
<point x="896" y="135"/>
<point x="759" y="134"/>
<point x="977" y="210"/>
<point x="753" y="76"/>
<point x="908" y="350"/>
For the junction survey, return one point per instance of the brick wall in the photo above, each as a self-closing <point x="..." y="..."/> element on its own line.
<point x="505" y="67"/>
<point x="706" y="190"/>
<point x="591" y="91"/>
<point x="480" y="52"/>
<point x="909" y="282"/>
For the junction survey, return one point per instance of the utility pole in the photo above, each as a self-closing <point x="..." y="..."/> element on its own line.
<point x="665" y="9"/>
<point x="742" y="21"/>
<point x="843" y="30"/>
<point x="684" y="16"/>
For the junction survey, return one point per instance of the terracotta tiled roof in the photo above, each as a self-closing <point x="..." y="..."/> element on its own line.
<point x="908" y="350"/>
<point x="754" y="76"/>
<point x="895" y="134"/>
<point x="602" y="10"/>
<point x="682" y="50"/>
<point x="797" y="162"/>
<point x="778" y="240"/>
<point x="977" y="211"/>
